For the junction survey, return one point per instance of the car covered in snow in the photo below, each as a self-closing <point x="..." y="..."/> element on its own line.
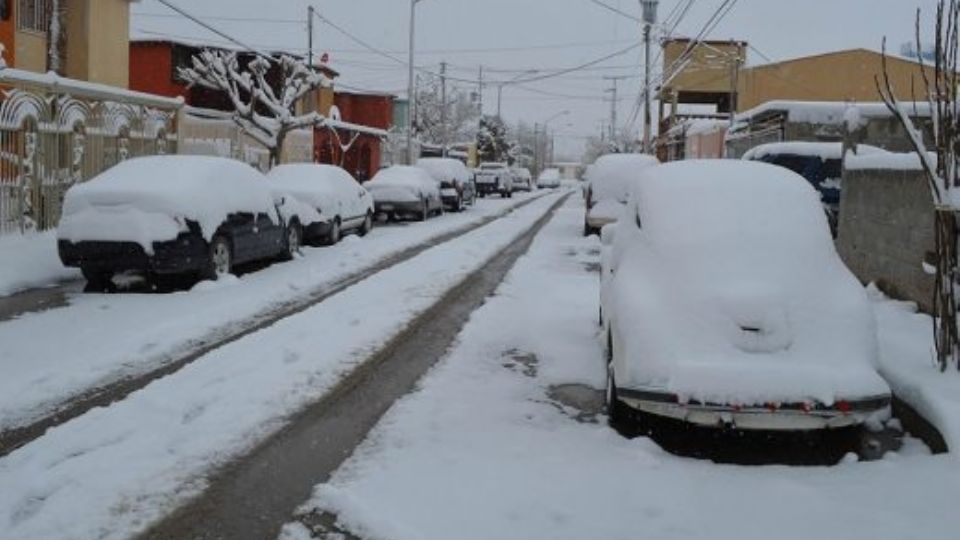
<point x="724" y="303"/>
<point x="457" y="187"/>
<point x="494" y="178"/>
<point x="167" y="215"/>
<point x="326" y="200"/>
<point x="522" y="179"/>
<point x="608" y="186"/>
<point x="403" y="190"/>
<point x="549" y="178"/>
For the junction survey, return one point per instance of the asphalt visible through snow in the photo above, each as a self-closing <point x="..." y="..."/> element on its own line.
<point x="52" y="298"/>
<point x="254" y="496"/>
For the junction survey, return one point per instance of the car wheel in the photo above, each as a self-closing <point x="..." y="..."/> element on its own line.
<point x="97" y="280"/>
<point x="424" y="211"/>
<point x="294" y="241"/>
<point x="367" y="225"/>
<point x="333" y="237"/>
<point x="220" y="258"/>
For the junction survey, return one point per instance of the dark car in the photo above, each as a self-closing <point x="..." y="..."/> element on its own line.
<point x="457" y="185"/>
<point x="173" y="215"/>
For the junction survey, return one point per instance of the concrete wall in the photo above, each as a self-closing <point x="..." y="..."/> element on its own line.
<point x="97" y="39"/>
<point x="886" y="230"/>
<point x="31" y="51"/>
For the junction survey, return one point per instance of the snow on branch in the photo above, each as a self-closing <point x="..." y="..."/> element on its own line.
<point x="263" y="110"/>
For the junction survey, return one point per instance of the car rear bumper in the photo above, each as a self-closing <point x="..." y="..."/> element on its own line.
<point x="188" y="253"/>
<point x="771" y="417"/>
<point x="491" y="187"/>
<point x="398" y="207"/>
<point x="317" y="229"/>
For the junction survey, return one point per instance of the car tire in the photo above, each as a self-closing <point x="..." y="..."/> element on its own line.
<point x="220" y="258"/>
<point x="333" y="237"/>
<point x="97" y="280"/>
<point x="587" y="230"/>
<point x="367" y="225"/>
<point x="293" y="241"/>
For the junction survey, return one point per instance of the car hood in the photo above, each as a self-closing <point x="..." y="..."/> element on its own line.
<point x="744" y="332"/>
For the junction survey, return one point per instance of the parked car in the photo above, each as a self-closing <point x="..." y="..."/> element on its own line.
<point x="330" y="201"/>
<point x="457" y="187"/>
<point x="494" y="178"/>
<point x="549" y="178"/>
<point x="819" y="162"/>
<point x="724" y="304"/>
<point x="522" y="179"/>
<point x="403" y="190"/>
<point x="168" y="215"/>
<point x="608" y="186"/>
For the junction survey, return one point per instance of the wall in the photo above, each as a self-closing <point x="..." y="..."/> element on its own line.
<point x="31" y="51"/>
<point x="8" y="28"/>
<point x="814" y="78"/>
<point x="886" y="229"/>
<point x="151" y="69"/>
<point x="108" y="42"/>
<point x="709" y="68"/>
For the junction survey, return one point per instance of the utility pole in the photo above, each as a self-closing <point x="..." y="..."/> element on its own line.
<point x="411" y="88"/>
<point x="480" y="91"/>
<point x="536" y="148"/>
<point x="443" y="109"/>
<point x="613" y="106"/>
<point x="310" y="36"/>
<point x="649" y="19"/>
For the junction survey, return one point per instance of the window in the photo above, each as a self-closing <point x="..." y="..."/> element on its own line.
<point x="34" y="15"/>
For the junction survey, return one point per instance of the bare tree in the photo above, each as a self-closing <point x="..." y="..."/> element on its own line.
<point x="265" y="113"/>
<point x="943" y="174"/>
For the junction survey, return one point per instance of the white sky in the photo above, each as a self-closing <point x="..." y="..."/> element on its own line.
<point x="516" y="35"/>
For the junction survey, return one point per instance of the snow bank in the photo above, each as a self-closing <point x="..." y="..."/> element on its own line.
<point x="907" y="363"/>
<point x="30" y="261"/>
<point x="320" y="188"/>
<point x="481" y="451"/>
<point x="147" y="199"/>
<point x="728" y="246"/>
<point x="113" y="471"/>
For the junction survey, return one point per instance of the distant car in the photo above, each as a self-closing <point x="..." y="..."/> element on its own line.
<point x="819" y="162"/>
<point x="457" y="187"/>
<point x="331" y="201"/>
<point x="494" y="178"/>
<point x="403" y="190"/>
<point x="168" y="215"/>
<point x="522" y="179"/>
<point x="724" y="304"/>
<point x="549" y="178"/>
<point x="608" y="186"/>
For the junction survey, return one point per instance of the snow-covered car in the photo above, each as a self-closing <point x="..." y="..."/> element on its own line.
<point x="327" y="201"/>
<point x="167" y="215"/>
<point x="494" y="178"/>
<point x="724" y="303"/>
<point x="549" y="178"/>
<point x="457" y="188"/>
<point x="522" y="179"/>
<point x="608" y="187"/>
<point x="403" y="190"/>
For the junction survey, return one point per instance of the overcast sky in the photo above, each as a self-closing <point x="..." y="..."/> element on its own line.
<point x="508" y="37"/>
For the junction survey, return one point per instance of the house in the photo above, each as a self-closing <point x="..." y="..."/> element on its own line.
<point x="355" y="141"/>
<point x="92" y="43"/>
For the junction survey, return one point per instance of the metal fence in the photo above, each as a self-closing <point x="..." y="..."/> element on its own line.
<point x="56" y="132"/>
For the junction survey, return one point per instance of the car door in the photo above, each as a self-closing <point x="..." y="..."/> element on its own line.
<point x="241" y="228"/>
<point x="268" y="235"/>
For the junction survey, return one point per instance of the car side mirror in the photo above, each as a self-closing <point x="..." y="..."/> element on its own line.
<point x="608" y="234"/>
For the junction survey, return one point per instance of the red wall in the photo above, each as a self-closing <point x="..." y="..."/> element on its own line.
<point x="151" y="70"/>
<point x="363" y="158"/>
<point x="366" y="110"/>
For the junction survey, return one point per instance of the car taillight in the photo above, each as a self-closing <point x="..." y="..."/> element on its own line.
<point x="844" y="407"/>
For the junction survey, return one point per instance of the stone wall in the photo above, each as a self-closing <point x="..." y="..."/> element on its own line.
<point x="886" y="230"/>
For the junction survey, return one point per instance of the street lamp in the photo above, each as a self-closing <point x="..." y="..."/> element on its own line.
<point x="502" y="84"/>
<point x="536" y="133"/>
<point x="649" y="19"/>
<point x="411" y="92"/>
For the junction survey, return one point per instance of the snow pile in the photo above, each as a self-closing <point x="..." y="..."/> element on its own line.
<point x="739" y="290"/>
<point x="403" y="183"/>
<point x="30" y="261"/>
<point x="322" y="189"/>
<point x="148" y="199"/>
<point x="835" y="113"/>
<point x="445" y="169"/>
<point x="481" y="451"/>
<point x="113" y="471"/>
<point x="907" y="363"/>
<point x="908" y="161"/>
<point x="823" y="150"/>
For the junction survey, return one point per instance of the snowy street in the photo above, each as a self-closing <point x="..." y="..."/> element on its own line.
<point x="495" y="444"/>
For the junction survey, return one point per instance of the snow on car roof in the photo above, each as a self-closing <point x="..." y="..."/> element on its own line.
<point x="550" y="174"/>
<point x="317" y="187"/>
<point x="443" y="169"/>
<point x="197" y="188"/>
<point x="823" y="150"/>
<point x="612" y="175"/>
<point x="400" y="175"/>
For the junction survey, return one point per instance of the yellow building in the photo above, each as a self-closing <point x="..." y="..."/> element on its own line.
<point x="93" y="43"/>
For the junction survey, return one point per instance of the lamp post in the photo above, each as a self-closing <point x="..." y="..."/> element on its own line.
<point x="536" y="132"/>
<point x="411" y="91"/>
<point x="649" y="19"/>
<point x="502" y="84"/>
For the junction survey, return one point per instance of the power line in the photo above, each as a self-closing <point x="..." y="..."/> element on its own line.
<point x="612" y="9"/>
<point x="216" y="31"/>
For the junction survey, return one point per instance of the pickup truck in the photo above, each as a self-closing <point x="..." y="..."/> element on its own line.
<point x="494" y="178"/>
